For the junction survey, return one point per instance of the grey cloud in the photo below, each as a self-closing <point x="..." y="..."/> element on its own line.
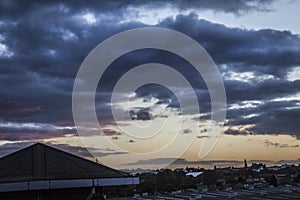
<point x="187" y="131"/>
<point x="280" y="145"/>
<point x="201" y="137"/>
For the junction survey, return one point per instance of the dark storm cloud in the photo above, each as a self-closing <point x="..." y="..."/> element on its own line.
<point x="274" y="117"/>
<point x="264" y="51"/>
<point x="16" y="8"/>
<point x="240" y="116"/>
<point x="235" y="6"/>
<point x="265" y="90"/>
<point x="283" y="121"/>
<point x="48" y="41"/>
<point x="48" y="45"/>
<point x="29" y="136"/>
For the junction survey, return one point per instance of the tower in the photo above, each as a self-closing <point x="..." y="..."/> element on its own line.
<point x="245" y="162"/>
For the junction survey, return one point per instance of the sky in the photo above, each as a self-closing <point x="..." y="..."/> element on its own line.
<point x="255" y="45"/>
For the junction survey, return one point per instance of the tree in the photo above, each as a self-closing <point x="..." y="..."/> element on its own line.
<point x="297" y="179"/>
<point x="209" y="177"/>
<point x="241" y="179"/>
<point x="273" y="180"/>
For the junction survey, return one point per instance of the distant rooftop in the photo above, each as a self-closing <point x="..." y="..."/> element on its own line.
<point x="42" y="162"/>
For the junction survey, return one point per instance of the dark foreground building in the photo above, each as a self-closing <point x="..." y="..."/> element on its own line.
<point x="43" y="172"/>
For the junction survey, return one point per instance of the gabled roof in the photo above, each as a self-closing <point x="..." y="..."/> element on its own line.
<point x="42" y="162"/>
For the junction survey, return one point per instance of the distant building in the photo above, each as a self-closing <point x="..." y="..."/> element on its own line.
<point x="194" y="174"/>
<point x="43" y="172"/>
<point x="258" y="167"/>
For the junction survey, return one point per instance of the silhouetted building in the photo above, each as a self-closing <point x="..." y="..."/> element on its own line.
<point x="43" y="172"/>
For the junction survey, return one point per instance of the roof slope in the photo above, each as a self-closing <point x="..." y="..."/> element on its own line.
<point x="42" y="162"/>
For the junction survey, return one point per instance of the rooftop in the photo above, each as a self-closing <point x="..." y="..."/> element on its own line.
<point x="43" y="162"/>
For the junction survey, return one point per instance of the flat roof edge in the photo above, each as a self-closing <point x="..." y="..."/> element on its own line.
<point x="64" y="184"/>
